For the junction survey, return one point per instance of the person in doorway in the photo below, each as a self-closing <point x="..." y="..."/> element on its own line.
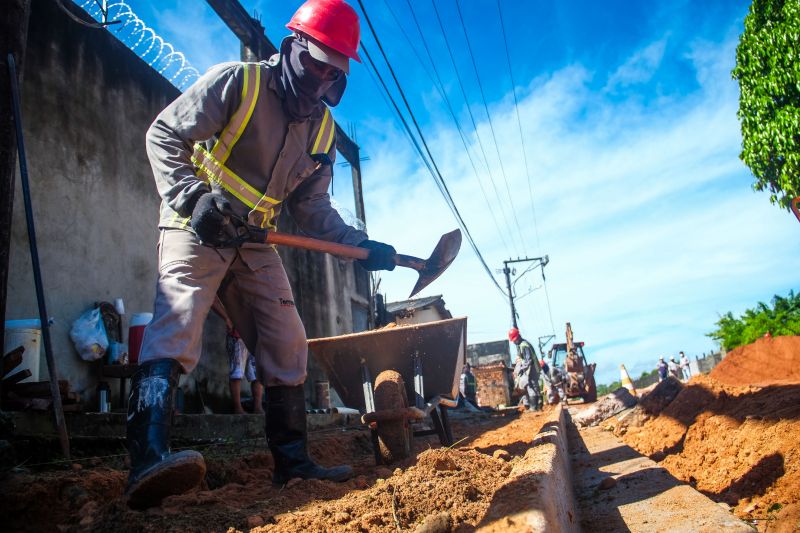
<point x="662" y="369"/>
<point x="242" y="364"/>
<point x="684" y="363"/>
<point x="228" y="154"/>
<point x="469" y="385"/>
<point x="526" y="371"/>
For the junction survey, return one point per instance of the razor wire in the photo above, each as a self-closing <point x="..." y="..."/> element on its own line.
<point x="144" y="41"/>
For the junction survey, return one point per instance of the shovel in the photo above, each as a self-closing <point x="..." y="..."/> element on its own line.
<point x="429" y="269"/>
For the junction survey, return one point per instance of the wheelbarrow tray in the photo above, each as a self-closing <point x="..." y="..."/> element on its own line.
<point x="439" y="346"/>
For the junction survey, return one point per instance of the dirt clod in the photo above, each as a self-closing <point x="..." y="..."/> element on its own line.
<point x="255" y="520"/>
<point x="502" y="455"/>
<point x="435" y="523"/>
<point x="607" y="483"/>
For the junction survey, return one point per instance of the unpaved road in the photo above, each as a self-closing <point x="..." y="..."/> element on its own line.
<point x="239" y="495"/>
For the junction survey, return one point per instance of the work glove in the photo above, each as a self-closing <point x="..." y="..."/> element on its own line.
<point x="381" y="256"/>
<point x="211" y="219"/>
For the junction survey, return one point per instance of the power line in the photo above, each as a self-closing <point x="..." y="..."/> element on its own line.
<point x="491" y="124"/>
<point x="440" y="181"/>
<point x="519" y="123"/>
<point x="525" y="157"/>
<point x="466" y="103"/>
<point x="440" y="88"/>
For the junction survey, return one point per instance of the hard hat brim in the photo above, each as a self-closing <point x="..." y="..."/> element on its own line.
<point x="320" y="52"/>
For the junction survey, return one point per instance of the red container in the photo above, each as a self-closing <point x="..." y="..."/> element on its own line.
<point x="139" y="322"/>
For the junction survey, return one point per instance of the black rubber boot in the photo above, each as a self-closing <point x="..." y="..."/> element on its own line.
<point x="287" y="438"/>
<point x="155" y="471"/>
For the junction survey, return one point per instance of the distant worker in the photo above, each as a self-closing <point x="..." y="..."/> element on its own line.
<point x="526" y="371"/>
<point x="662" y="369"/>
<point x="674" y="368"/>
<point x="551" y="381"/>
<point x="469" y="385"/>
<point x="684" y="362"/>
<point x="243" y="143"/>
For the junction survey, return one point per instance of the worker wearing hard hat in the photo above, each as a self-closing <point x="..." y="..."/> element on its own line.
<point x="526" y="371"/>
<point x="244" y="141"/>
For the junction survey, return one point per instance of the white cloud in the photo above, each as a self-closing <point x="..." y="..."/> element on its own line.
<point x="646" y="213"/>
<point x="640" y="67"/>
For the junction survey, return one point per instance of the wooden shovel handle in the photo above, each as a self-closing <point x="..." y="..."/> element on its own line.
<point x="307" y="243"/>
<point x="341" y="250"/>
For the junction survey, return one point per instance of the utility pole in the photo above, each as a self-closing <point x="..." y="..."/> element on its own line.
<point x="542" y="261"/>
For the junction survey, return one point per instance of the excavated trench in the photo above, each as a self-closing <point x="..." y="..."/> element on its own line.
<point x="722" y="449"/>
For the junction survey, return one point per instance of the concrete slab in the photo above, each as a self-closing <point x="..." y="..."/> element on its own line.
<point x="543" y="477"/>
<point x="618" y="489"/>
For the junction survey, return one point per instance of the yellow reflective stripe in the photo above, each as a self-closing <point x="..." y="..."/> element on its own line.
<point x="325" y="118"/>
<point x="225" y="177"/>
<point x="178" y="219"/>
<point x="331" y="131"/>
<point x="236" y="126"/>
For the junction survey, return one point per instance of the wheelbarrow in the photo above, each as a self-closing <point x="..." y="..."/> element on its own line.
<point x="422" y="362"/>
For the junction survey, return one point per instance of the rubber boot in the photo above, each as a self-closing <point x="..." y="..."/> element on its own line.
<point x="287" y="438"/>
<point x="155" y="471"/>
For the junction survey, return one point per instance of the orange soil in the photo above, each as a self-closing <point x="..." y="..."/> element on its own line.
<point x="239" y="496"/>
<point x="766" y="361"/>
<point x="736" y="444"/>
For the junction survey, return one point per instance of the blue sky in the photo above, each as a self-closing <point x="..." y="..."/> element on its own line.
<point x="628" y="114"/>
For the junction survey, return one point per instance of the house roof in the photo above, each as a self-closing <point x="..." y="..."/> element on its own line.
<point x="419" y="303"/>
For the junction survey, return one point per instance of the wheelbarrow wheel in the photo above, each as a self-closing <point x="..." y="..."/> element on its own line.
<point x="394" y="436"/>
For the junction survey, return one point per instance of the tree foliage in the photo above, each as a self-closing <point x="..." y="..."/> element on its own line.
<point x="781" y="318"/>
<point x="768" y="71"/>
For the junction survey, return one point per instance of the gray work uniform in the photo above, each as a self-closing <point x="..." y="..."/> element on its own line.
<point x="527" y="372"/>
<point x="272" y="155"/>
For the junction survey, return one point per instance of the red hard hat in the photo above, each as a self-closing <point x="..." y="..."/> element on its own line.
<point x="513" y="334"/>
<point x="332" y="22"/>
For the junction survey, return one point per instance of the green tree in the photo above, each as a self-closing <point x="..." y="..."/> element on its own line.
<point x="781" y="318"/>
<point x="768" y="71"/>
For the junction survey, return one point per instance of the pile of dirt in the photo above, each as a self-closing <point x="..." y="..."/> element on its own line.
<point x="459" y="482"/>
<point x="769" y="360"/>
<point x="449" y="485"/>
<point x="736" y="444"/>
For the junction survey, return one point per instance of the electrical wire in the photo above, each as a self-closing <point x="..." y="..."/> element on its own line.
<point x="519" y="124"/>
<point x="431" y="165"/>
<point x="443" y="93"/>
<point x="491" y="123"/>
<point x="466" y="103"/>
<point x="434" y="171"/>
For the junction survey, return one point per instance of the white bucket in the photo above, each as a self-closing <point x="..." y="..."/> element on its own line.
<point x="28" y="334"/>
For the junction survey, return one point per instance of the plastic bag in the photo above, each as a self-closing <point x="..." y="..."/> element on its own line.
<point x="89" y="335"/>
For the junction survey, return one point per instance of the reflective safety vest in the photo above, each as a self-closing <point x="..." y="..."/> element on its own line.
<point x="211" y="164"/>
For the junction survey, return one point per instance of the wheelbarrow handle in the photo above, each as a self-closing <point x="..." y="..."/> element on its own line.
<point x="341" y="250"/>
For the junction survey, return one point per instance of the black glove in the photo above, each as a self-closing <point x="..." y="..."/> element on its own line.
<point x="211" y="219"/>
<point x="381" y="256"/>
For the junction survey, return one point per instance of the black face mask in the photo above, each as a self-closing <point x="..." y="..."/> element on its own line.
<point x="302" y="91"/>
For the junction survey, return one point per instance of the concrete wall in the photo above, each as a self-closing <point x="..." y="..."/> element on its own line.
<point x="87" y="102"/>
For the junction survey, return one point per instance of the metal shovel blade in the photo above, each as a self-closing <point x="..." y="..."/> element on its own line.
<point x="441" y="258"/>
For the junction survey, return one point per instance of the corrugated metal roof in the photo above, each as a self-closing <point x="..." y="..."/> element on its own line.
<point x="408" y="305"/>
